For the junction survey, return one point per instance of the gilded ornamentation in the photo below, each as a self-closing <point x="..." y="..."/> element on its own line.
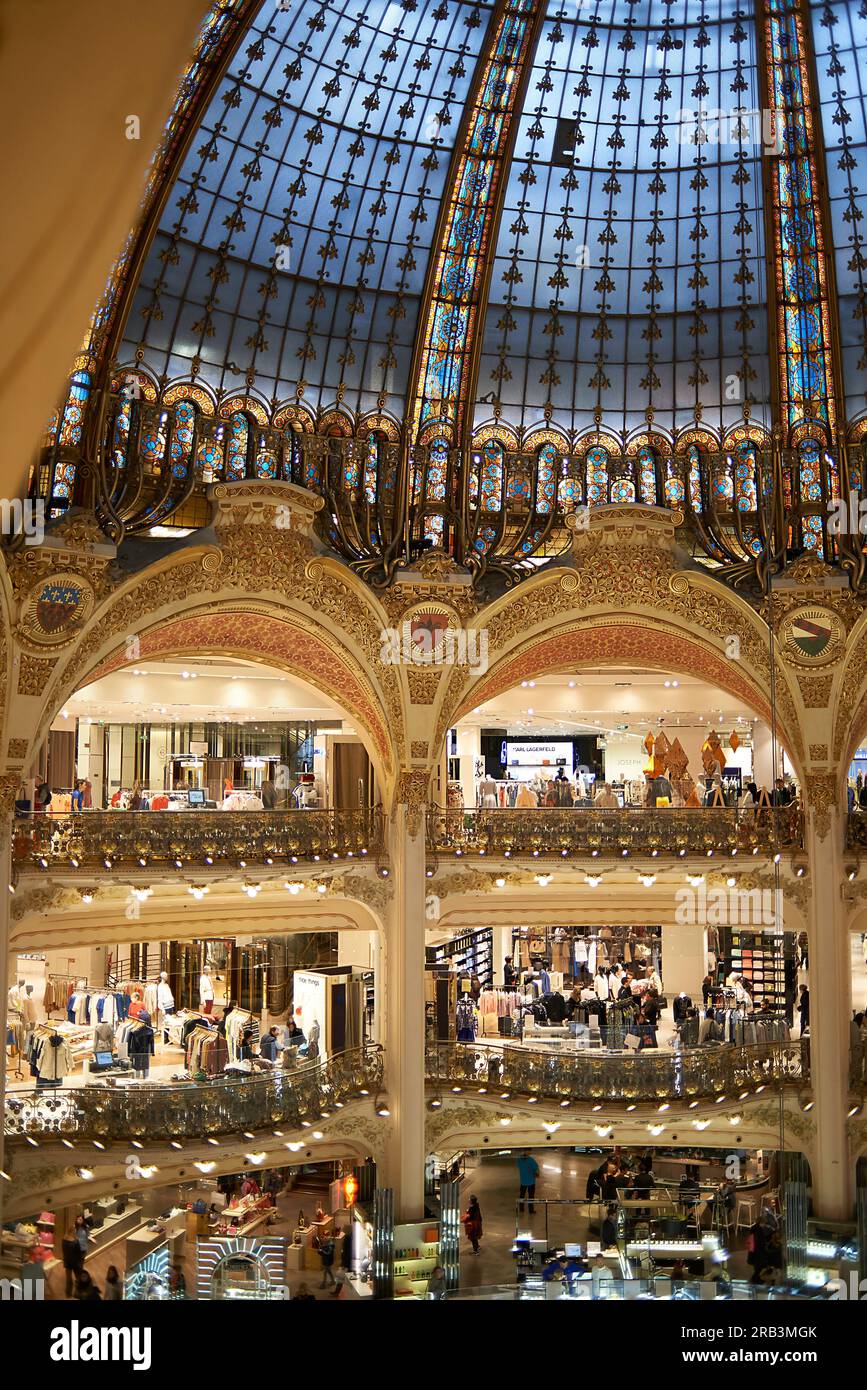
<point x="457" y="1117"/>
<point x="10" y="786"/>
<point x="17" y="749"/>
<point x="815" y="690"/>
<point x="818" y="752"/>
<point x="413" y="787"/>
<point x="55" y="610"/>
<point x="423" y="685"/>
<point x="374" y="892"/>
<point x="812" y="636"/>
<point x="33" y="675"/>
<point x="822" y="797"/>
<point x="418" y="749"/>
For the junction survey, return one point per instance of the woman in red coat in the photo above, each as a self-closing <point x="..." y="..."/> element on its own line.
<point x="473" y="1223"/>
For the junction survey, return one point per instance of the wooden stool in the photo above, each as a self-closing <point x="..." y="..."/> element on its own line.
<point x="746" y="1208"/>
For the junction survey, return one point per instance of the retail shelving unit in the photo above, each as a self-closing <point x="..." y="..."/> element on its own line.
<point x="472" y="953"/>
<point x="412" y="1270"/>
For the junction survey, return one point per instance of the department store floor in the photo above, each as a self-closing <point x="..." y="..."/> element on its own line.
<point x="310" y="1189"/>
<point x="563" y="1174"/>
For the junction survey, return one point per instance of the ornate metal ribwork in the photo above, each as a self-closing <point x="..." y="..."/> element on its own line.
<point x="652" y="1075"/>
<point x="608" y="834"/>
<point x="135" y="839"/>
<point x="193" y="1110"/>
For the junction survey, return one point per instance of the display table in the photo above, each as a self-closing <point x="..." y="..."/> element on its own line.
<point x="114" y="1228"/>
<point x="142" y="1241"/>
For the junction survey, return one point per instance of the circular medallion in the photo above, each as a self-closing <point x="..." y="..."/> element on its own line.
<point x="55" y="609"/>
<point x="427" y="625"/>
<point x="812" y="636"/>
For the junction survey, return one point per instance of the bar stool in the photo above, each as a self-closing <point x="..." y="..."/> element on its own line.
<point x="746" y="1214"/>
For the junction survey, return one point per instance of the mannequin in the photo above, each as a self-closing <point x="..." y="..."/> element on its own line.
<point x="28" y="1006"/>
<point x="206" y="993"/>
<point x="487" y="792"/>
<point x="165" y="998"/>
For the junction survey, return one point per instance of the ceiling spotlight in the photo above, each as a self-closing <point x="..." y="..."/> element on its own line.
<point x="655" y="1129"/>
<point x="142" y="894"/>
<point x="551" y="1127"/>
<point x="500" y="882"/>
<point x="293" y="888"/>
<point x="256" y="1158"/>
<point x="593" y="880"/>
<point x="695" y="879"/>
<point x="701" y="1124"/>
<point x="647" y="879"/>
<point x="381" y="1107"/>
<point x="732" y="881"/>
<point x="543" y="879"/>
<point x="198" y="890"/>
<point x="603" y="1130"/>
<point x="435" y="1103"/>
<point x="251" y="889"/>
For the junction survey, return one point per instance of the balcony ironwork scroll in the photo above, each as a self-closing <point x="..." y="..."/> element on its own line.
<point x="108" y="839"/>
<point x="588" y="1075"/>
<point x="193" y="1109"/>
<point x="565" y="832"/>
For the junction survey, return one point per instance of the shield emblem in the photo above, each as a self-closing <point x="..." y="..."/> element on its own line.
<point x="57" y="605"/>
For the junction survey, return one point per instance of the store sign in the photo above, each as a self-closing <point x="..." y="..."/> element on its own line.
<point x="539" y="754"/>
<point x="310" y="1004"/>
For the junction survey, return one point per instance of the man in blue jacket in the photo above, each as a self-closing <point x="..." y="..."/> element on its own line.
<point x="528" y="1172"/>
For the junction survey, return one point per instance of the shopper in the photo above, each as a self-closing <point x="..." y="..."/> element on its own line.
<point x="113" y="1285"/>
<point x="600" y="1277"/>
<point x="326" y="1255"/>
<point x="245" y="1051"/>
<point x="473" y="1223"/>
<point x="609" y="1227"/>
<point x="269" y="795"/>
<point x="270" y="1046"/>
<point x="340" y="1276"/>
<point x="73" y="1261"/>
<point x="294" y="1037"/>
<point x="554" y="1269"/>
<point x="510" y="974"/>
<point x="528" y="1174"/>
<point x="177" y="1282"/>
<point x="804" y="1009"/>
<point x="436" y="1285"/>
<point x="86" y="1291"/>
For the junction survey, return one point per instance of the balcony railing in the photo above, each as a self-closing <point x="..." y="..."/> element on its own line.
<point x="192" y="1110"/>
<point x="107" y="839"/>
<point x="614" y="833"/>
<point x="652" y="1075"/>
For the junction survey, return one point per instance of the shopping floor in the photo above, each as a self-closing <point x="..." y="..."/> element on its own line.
<point x="563" y="1175"/>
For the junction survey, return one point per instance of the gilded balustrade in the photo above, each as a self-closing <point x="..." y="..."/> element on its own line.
<point x="626" y="1078"/>
<point x="606" y="833"/>
<point x="191" y="1110"/>
<point x="105" y="839"/>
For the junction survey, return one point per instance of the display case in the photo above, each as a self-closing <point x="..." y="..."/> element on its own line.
<point x="240" y="1269"/>
<point x="416" y="1255"/>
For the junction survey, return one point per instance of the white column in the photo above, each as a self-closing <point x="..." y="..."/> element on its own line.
<point x="404" y="1025"/>
<point x="763" y="761"/>
<point x="469" y="749"/>
<point x="684" y="959"/>
<point x="830" y="1012"/>
<point x="502" y="948"/>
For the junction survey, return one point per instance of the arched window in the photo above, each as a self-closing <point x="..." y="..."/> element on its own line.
<point x="293" y="456"/>
<point x="491" y="476"/>
<point x="73" y="411"/>
<point x="266" y="459"/>
<point x="597" y="476"/>
<point x="120" y="436"/>
<point x="209" y="455"/>
<point x="183" y="429"/>
<point x="694" y="461"/>
<point x="745" y="476"/>
<point x="152" y="443"/>
<point x="238" y="447"/>
<point x="545" y="477"/>
<point x="435" y="487"/>
<point x="647" y="475"/>
<point x="673" y="489"/>
<point x="809" y="472"/>
<point x="371" y="467"/>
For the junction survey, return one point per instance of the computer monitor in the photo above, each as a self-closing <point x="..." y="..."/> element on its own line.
<point x="197" y="796"/>
<point x="104" y="1059"/>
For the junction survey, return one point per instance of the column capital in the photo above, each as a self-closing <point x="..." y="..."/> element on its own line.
<point x="413" y="787"/>
<point x="822" y="800"/>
